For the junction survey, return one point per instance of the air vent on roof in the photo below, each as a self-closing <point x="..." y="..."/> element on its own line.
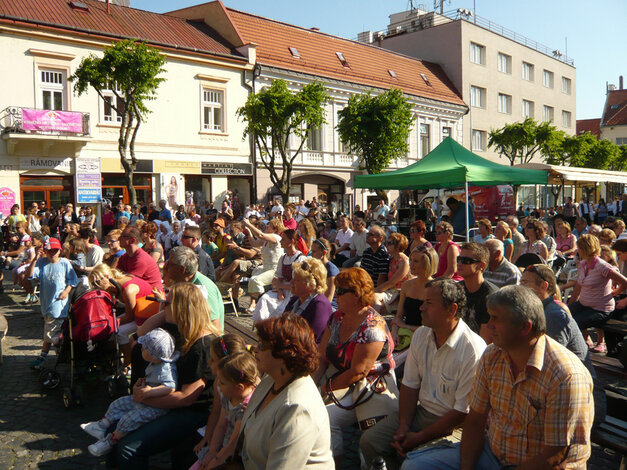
<point x="424" y="77"/>
<point x="614" y="106"/>
<point x="78" y="6"/>
<point x="392" y="73"/>
<point x="342" y="59"/>
<point x="294" y="52"/>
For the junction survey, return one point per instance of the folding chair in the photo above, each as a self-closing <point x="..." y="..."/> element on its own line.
<point x="227" y="299"/>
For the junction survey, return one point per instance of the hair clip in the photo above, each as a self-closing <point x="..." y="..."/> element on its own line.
<point x="249" y="348"/>
<point x="223" y="344"/>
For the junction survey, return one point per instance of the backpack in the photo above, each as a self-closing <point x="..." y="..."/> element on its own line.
<point x="93" y="318"/>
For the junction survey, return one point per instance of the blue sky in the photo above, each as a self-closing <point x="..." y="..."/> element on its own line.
<point x="595" y="32"/>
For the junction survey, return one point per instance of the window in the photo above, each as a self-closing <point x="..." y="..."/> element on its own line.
<point x="477" y="53"/>
<point x="477" y="97"/>
<point x="504" y="103"/>
<point x="547" y="113"/>
<point x="566" y="119"/>
<point x="110" y="101"/>
<point x="446" y="132"/>
<point x="52" y="89"/>
<point x="547" y="78"/>
<point x="425" y="137"/>
<point x="566" y="85"/>
<point x="341" y="148"/>
<point x="621" y="140"/>
<point x="527" y="71"/>
<point x="479" y="139"/>
<point x="212" y="107"/>
<point x="342" y="59"/>
<point x="314" y="139"/>
<point x="527" y="109"/>
<point x="504" y="63"/>
<point x="294" y="52"/>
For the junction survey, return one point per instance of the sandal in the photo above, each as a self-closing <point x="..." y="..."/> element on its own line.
<point x="600" y="348"/>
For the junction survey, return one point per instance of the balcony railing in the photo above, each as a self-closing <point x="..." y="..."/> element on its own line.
<point x="21" y="120"/>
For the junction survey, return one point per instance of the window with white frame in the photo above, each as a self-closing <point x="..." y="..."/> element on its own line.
<point x="446" y="132"/>
<point x="341" y="148"/>
<point x="479" y="139"/>
<point x="547" y="78"/>
<point x="52" y="91"/>
<point x="504" y="103"/>
<point x="477" y="53"/>
<point x="548" y="113"/>
<point x="425" y="139"/>
<point x="314" y="139"/>
<point x="477" y="97"/>
<point x="527" y="109"/>
<point x="527" y="71"/>
<point x="621" y="140"/>
<point x="566" y="119"/>
<point x="566" y="85"/>
<point x="212" y="110"/>
<point x="112" y="107"/>
<point x="504" y="63"/>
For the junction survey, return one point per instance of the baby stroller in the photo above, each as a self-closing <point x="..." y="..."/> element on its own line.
<point x="89" y="344"/>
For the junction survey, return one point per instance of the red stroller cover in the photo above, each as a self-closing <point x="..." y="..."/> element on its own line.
<point x="93" y="317"/>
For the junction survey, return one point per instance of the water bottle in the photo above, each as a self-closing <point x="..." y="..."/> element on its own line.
<point x="378" y="464"/>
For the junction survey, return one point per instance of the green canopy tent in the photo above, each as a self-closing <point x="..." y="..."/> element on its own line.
<point x="450" y="165"/>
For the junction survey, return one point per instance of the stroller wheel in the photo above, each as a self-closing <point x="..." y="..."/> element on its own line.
<point x="68" y="399"/>
<point x="77" y="395"/>
<point x="49" y="379"/>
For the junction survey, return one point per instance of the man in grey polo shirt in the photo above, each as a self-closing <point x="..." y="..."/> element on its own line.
<point x="500" y="272"/>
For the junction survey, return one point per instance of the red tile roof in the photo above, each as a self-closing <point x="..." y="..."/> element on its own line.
<point x="615" y="112"/>
<point x="589" y="125"/>
<point x="367" y="65"/>
<point x="121" y="22"/>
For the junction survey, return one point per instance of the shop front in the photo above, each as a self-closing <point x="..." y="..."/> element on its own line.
<point x="46" y="179"/>
<point x="330" y="192"/>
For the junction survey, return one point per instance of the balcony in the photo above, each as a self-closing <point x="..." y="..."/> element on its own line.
<point x="49" y="131"/>
<point x="333" y="160"/>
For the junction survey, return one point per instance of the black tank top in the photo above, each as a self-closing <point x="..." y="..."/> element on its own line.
<point x="411" y="310"/>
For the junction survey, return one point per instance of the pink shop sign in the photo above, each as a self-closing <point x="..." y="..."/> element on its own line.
<point x="7" y="199"/>
<point x="50" y="120"/>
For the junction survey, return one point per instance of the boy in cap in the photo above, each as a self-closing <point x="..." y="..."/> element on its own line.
<point x="56" y="278"/>
<point x="160" y="380"/>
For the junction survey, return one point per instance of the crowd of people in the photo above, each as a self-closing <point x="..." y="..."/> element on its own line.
<point x="445" y="354"/>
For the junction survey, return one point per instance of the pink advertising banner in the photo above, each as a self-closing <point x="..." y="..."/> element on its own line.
<point x="7" y="199"/>
<point x="50" y="120"/>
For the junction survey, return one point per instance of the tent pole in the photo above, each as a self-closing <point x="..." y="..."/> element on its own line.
<point x="439" y="214"/>
<point x="467" y="211"/>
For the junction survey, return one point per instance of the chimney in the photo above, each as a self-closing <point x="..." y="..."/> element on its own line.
<point x="108" y="8"/>
<point x="620" y="82"/>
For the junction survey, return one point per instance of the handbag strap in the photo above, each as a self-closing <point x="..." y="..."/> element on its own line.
<point x="363" y="396"/>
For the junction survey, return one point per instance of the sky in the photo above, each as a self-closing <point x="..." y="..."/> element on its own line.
<point x="592" y="33"/>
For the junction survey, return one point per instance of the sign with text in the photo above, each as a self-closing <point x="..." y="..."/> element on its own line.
<point x="88" y="181"/>
<point x="230" y="169"/>
<point x="51" y="120"/>
<point x="46" y="163"/>
<point x="7" y="199"/>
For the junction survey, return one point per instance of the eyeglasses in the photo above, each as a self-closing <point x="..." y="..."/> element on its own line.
<point x="467" y="260"/>
<point x="112" y="241"/>
<point x="188" y="237"/>
<point x="126" y="236"/>
<point x="341" y="291"/>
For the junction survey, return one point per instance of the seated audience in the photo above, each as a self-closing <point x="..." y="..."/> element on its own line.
<point x="500" y="272"/>
<point x="447" y="252"/>
<point x="376" y="259"/>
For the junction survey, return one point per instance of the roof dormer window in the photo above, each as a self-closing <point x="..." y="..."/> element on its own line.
<point x="342" y="59"/>
<point x="294" y="52"/>
<point x="392" y="73"/>
<point x="424" y="77"/>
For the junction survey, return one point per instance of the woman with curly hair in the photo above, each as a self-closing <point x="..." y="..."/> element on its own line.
<point x="285" y="425"/>
<point x="534" y="244"/>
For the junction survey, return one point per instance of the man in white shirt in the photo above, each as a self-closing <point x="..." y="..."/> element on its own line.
<point x="439" y="373"/>
<point x="382" y="210"/>
<point x="358" y="243"/>
<point x="301" y="211"/>
<point x="277" y="208"/>
<point x="95" y="254"/>
<point x="343" y="242"/>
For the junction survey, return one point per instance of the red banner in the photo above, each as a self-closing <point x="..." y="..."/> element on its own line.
<point x="50" y="120"/>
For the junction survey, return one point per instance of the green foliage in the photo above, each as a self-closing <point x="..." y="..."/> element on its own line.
<point x="275" y="113"/>
<point x="376" y="128"/>
<point x="520" y="141"/>
<point x="576" y="149"/>
<point x="603" y="155"/>
<point x="130" y="70"/>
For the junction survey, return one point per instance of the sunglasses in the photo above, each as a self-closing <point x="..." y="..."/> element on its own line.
<point x="342" y="291"/>
<point x="533" y="269"/>
<point x="187" y="237"/>
<point x="466" y="260"/>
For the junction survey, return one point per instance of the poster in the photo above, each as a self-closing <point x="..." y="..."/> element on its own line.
<point x="51" y="120"/>
<point x="88" y="181"/>
<point x="173" y="190"/>
<point x="7" y="199"/>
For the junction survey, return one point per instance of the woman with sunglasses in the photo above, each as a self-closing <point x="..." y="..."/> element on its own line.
<point x="285" y="425"/>
<point x="417" y="233"/>
<point x="534" y="243"/>
<point x="308" y="286"/>
<point x="356" y="345"/>
<point x="185" y="315"/>
<point x="151" y="245"/>
<point x="448" y="251"/>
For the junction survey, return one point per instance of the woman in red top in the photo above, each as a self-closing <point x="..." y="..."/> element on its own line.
<point x="288" y="220"/>
<point x="448" y="251"/>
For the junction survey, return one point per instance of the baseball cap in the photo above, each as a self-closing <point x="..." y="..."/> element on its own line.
<point x="219" y="222"/>
<point x="53" y="244"/>
<point x="159" y="344"/>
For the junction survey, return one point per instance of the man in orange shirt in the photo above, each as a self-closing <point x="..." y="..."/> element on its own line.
<point x="535" y="393"/>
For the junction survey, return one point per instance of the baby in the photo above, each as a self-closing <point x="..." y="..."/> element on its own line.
<point x="158" y="350"/>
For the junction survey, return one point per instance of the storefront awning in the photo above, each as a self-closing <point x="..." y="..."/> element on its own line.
<point x="571" y="175"/>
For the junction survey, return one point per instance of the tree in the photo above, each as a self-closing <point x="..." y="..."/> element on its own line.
<point x="129" y="70"/>
<point x="275" y="113"/>
<point x="376" y="128"/>
<point x="570" y="149"/>
<point x="521" y="141"/>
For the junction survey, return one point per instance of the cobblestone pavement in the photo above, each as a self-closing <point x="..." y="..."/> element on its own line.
<point x="36" y="431"/>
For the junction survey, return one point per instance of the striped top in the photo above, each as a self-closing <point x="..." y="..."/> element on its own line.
<point x="376" y="263"/>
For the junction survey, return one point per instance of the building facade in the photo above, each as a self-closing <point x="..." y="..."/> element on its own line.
<point x="300" y="56"/>
<point x="503" y="76"/>
<point x="59" y="147"/>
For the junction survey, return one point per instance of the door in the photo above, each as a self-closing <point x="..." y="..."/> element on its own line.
<point x="55" y="190"/>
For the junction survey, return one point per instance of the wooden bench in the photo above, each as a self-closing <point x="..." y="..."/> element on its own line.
<point x="4" y="327"/>
<point x="612" y="434"/>
<point x="615" y="331"/>
<point x="232" y="326"/>
<point x="608" y="365"/>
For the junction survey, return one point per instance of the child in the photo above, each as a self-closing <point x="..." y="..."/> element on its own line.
<point x="74" y="251"/>
<point x="161" y="376"/>
<point x="32" y="245"/>
<point x="221" y="347"/>
<point x="237" y="378"/>
<point x="207" y="243"/>
<point x="56" y="278"/>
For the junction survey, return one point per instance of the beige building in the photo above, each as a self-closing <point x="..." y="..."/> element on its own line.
<point x="191" y="145"/>
<point x="503" y="76"/>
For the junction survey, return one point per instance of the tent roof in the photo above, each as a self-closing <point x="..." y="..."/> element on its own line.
<point x="577" y="175"/>
<point x="450" y="165"/>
